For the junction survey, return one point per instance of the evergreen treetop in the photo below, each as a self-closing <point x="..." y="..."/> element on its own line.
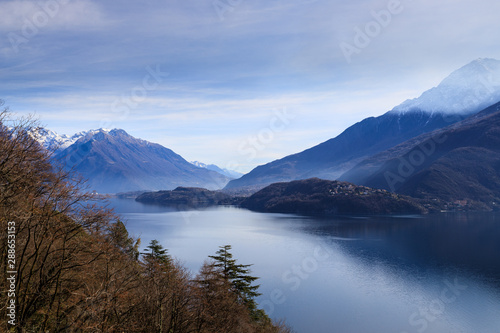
<point x="240" y="279"/>
<point x="157" y="253"/>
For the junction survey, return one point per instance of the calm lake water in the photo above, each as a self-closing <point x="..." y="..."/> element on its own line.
<point x="438" y="273"/>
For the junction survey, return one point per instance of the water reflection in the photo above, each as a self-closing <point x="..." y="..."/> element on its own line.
<point x="469" y="241"/>
<point x="383" y="274"/>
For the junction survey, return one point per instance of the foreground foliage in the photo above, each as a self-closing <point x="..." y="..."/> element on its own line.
<point x="78" y="270"/>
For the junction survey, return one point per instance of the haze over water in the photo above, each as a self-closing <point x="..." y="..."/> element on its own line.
<point x="439" y="273"/>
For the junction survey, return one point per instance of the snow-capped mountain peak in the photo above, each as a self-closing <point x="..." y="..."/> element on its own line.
<point x="467" y="90"/>
<point x="53" y="141"/>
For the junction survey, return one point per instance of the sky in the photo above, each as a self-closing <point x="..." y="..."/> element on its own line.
<point x="237" y="83"/>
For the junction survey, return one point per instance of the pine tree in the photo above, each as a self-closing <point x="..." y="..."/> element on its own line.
<point x="78" y="269"/>
<point x="119" y="237"/>
<point x="157" y="279"/>
<point x="241" y="281"/>
<point x="158" y="253"/>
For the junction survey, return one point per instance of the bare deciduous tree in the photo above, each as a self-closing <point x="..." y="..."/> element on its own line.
<point x="78" y="270"/>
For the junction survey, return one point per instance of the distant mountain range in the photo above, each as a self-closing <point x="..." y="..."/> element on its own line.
<point x="213" y="167"/>
<point x="113" y="161"/>
<point x="53" y="141"/>
<point x="458" y="164"/>
<point x="465" y="92"/>
<point x="441" y="146"/>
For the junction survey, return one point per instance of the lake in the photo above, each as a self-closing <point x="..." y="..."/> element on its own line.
<point x="437" y="273"/>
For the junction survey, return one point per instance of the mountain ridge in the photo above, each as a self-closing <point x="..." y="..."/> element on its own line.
<point x="113" y="161"/>
<point x="334" y="157"/>
<point x="469" y="89"/>
<point x="53" y="141"/>
<point x="459" y="163"/>
<point x="226" y="172"/>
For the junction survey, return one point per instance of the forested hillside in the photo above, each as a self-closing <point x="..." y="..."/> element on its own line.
<point x="70" y="266"/>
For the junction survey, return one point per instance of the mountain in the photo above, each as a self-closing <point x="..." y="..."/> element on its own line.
<point x="471" y="88"/>
<point x="52" y="141"/>
<point x="464" y="93"/>
<point x="324" y="197"/>
<point x="457" y="164"/>
<point x="114" y="161"/>
<point x="228" y="173"/>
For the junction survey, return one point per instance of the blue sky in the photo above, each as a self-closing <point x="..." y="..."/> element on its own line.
<point x="237" y="83"/>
